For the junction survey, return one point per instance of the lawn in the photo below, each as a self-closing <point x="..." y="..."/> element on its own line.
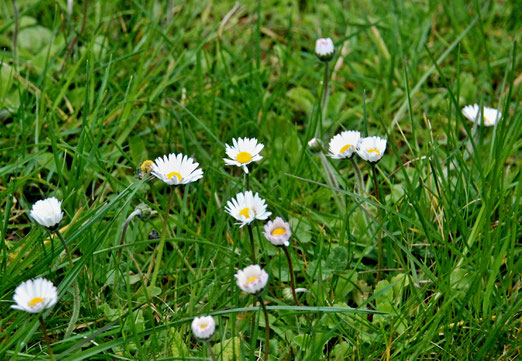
<point x="415" y="256"/>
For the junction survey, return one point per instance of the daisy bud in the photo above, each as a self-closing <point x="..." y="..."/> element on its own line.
<point x="247" y="207"/>
<point x="315" y="145"/>
<point x="243" y="152"/>
<point x="343" y="145"/>
<point x="176" y="169"/>
<point x="145" y="211"/>
<point x="203" y="327"/>
<point x="371" y="149"/>
<point x="34" y="296"/>
<point x="490" y="116"/>
<point x="278" y="232"/>
<point x="145" y="166"/>
<point x="252" y="279"/>
<point x="47" y="212"/>
<point x="324" y="49"/>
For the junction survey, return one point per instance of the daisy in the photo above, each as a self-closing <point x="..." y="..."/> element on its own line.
<point x="324" y="49"/>
<point x="146" y="166"/>
<point x="176" y="169"/>
<point x="247" y="207"/>
<point x="34" y="296"/>
<point x="252" y="279"/>
<point x="343" y="145"/>
<point x="371" y="149"/>
<point x="243" y="152"/>
<point x="278" y="232"/>
<point x="47" y="212"/>
<point x="490" y="116"/>
<point x="203" y="327"/>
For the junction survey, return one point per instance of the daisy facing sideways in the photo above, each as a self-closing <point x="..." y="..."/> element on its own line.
<point x="34" y="296"/>
<point x="47" y="212"/>
<point x="252" y="279"/>
<point x="490" y="116"/>
<point x="243" y="152"/>
<point x="203" y="327"/>
<point x="343" y="145"/>
<point x="371" y="149"/>
<point x="176" y="169"/>
<point x="247" y="207"/>
<point x="278" y="232"/>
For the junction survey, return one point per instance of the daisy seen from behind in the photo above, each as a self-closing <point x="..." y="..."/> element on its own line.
<point x="247" y="207"/>
<point x="47" y="212"/>
<point x="34" y="296"/>
<point x="252" y="279"/>
<point x="176" y="169"/>
<point x="490" y="116"/>
<point x="343" y="145"/>
<point x="242" y="152"/>
<point x="371" y="149"/>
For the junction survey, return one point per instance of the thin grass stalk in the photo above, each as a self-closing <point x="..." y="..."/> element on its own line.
<point x="379" y="219"/>
<point x="291" y="269"/>
<point x="76" y="290"/>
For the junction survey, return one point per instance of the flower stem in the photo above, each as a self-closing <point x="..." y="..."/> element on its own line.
<point x="291" y="269"/>
<point x="324" y="97"/>
<point x="379" y="242"/>
<point x="252" y="245"/>
<point x="76" y="290"/>
<point x="161" y="245"/>
<point x="267" y="328"/>
<point x="136" y="212"/>
<point x="211" y="351"/>
<point x="46" y="338"/>
<point x="360" y="184"/>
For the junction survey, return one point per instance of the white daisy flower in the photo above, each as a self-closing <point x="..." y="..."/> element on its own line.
<point x="278" y="232"/>
<point x="371" y="149"/>
<point x="343" y="145"/>
<point x="324" y="49"/>
<point x="247" y="207"/>
<point x="34" y="296"/>
<point x="176" y="169"/>
<point x="243" y="152"/>
<point x="252" y="279"/>
<point x="203" y="327"/>
<point x="490" y="116"/>
<point x="47" y="212"/>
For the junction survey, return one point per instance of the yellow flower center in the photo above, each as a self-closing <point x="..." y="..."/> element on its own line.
<point x="278" y="231"/>
<point x="203" y="326"/>
<point x="172" y="174"/>
<point x="251" y="279"/>
<point x="374" y="151"/>
<point x="145" y="166"/>
<point x="488" y="121"/>
<point x="244" y="213"/>
<point x="244" y="157"/>
<point x="35" y="301"/>
<point x="345" y="148"/>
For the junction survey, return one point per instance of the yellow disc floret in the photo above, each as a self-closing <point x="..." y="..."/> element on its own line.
<point x="244" y="213"/>
<point x="172" y="174"/>
<point x="374" y="151"/>
<point x="278" y="232"/>
<point x="35" y="301"/>
<point x="251" y="279"/>
<point x="244" y="157"/>
<point x="145" y="166"/>
<point x="345" y="148"/>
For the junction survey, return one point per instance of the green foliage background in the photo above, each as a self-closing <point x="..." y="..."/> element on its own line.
<point x="84" y="100"/>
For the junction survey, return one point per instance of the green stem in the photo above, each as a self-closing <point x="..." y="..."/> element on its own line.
<point x="379" y="242"/>
<point x="291" y="269"/>
<point x="46" y="338"/>
<point x="324" y="97"/>
<point x="161" y="245"/>
<point x="360" y="184"/>
<point x="252" y="245"/>
<point x="76" y="290"/>
<point x="211" y="351"/>
<point x="267" y="328"/>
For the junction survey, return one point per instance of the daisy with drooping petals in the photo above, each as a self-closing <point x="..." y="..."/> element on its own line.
<point x="252" y="279"/>
<point x="371" y="149"/>
<point x="278" y="232"/>
<point x="34" y="296"/>
<point x="490" y="116"/>
<point x="243" y="152"/>
<point x="203" y="327"/>
<point x="176" y="169"/>
<point x="247" y="207"/>
<point x="343" y="145"/>
<point x="47" y="212"/>
<point x="324" y="49"/>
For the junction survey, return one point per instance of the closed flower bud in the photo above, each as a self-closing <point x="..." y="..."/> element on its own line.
<point x="324" y="49"/>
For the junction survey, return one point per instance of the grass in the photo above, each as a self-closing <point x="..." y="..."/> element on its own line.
<point x="146" y="78"/>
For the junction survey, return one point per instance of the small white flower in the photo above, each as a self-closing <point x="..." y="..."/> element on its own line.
<point x="278" y="232"/>
<point x="35" y="295"/>
<point x="247" y="207"/>
<point x="203" y="327"/>
<point x="371" y="149"/>
<point x="324" y="49"/>
<point x="47" y="212"/>
<point x="176" y="169"/>
<point x="490" y="116"/>
<point x="315" y="145"/>
<point x="243" y="152"/>
<point x="252" y="279"/>
<point x="343" y="145"/>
